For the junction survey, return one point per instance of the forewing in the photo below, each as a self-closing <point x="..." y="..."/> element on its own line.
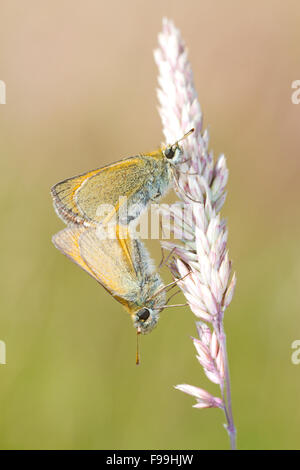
<point x="82" y="199"/>
<point x="63" y="194"/>
<point x="67" y="241"/>
<point x="110" y="265"/>
<point x="104" y="260"/>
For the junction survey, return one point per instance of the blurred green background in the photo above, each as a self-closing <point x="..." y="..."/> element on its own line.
<point x="81" y="82"/>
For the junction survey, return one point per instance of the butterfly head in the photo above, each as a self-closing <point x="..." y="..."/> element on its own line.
<point x="145" y="320"/>
<point x="173" y="153"/>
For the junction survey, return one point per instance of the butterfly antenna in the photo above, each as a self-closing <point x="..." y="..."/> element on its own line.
<point x="186" y="135"/>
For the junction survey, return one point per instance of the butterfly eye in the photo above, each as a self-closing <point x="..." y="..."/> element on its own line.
<point x="143" y="314"/>
<point x="170" y="152"/>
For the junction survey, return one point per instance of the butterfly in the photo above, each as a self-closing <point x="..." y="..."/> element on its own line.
<point x="131" y="281"/>
<point x="123" y="189"/>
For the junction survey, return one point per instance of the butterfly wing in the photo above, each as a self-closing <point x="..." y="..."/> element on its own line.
<point x="134" y="282"/>
<point x="64" y="197"/>
<point x="109" y="263"/>
<point x="94" y="196"/>
<point x="67" y="241"/>
<point x="104" y="260"/>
